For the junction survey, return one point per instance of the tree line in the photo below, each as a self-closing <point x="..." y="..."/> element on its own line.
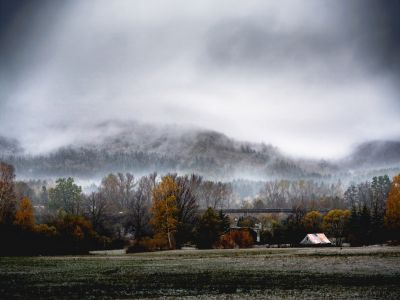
<point x="171" y="211"/>
<point x="121" y="207"/>
<point x="368" y="213"/>
<point x="309" y="194"/>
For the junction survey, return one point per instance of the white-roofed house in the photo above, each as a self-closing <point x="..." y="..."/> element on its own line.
<point x="317" y="239"/>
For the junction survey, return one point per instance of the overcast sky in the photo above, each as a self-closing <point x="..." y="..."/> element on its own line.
<point x="311" y="77"/>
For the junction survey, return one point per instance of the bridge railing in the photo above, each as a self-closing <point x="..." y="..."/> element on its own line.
<point x="262" y="210"/>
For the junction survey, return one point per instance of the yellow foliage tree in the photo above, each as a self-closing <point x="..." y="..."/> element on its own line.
<point x="392" y="214"/>
<point x="335" y="223"/>
<point x="164" y="210"/>
<point x="312" y="221"/>
<point x="24" y="215"/>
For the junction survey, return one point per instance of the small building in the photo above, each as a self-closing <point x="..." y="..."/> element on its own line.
<point x="315" y="239"/>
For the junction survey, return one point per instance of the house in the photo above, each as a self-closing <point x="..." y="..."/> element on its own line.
<point x="315" y="239"/>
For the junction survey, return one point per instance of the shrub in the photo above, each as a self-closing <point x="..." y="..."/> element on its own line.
<point x="266" y="237"/>
<point x="75" y="235"/>
<point x="46" y="230"/>
<point x="226" y="241"/>
<point x="210" y="227"/>
<point x="116" y="243"/>
<point x="149" y="244"/>
<point x="236" y="239"/>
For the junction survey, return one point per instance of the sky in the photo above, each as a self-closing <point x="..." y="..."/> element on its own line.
<point x="314" y="78"/>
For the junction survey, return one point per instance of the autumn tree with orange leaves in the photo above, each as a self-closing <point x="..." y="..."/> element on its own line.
<point x="164" y="210"/>
<point x="24" y="215"/>
<point x="392" y="214"/>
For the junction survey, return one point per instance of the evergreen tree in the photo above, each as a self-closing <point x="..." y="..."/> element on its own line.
<point x="210" y="227"/>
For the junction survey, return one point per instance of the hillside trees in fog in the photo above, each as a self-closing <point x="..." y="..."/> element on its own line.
<point x="35" y="190"/>
<point x="88" y="162"/>
<point x="208" y="153"/>
<point x="23" y="189"/>
<point x="305" y="193"/>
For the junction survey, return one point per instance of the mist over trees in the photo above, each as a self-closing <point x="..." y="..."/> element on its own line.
<point x="156" y="212"/>
<point x="143" y="149"/>
<point x="305" y="193"/>
<point x="91" y="162"/>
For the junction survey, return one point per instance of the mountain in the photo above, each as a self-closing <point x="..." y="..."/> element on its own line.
<point x="9" y="146"/>
<point x="374" y="154"/>
<point x="141" y="148"/>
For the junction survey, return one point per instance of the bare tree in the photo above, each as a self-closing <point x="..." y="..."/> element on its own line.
<point x="138" y="214"/>
<point x="187" y="208"/>
<point x="97" y="209"/>
<point x="216" y="195"/>
<point x="109" y="190"/>
<point x="186" y="199"/>
<point x="7" y="193"/>
<point x="305" y="193"/>
<point x="274" y="193"/>
<point x="126" y="184"/>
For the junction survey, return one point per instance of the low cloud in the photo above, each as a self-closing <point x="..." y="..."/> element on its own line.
<point x="312" y="79"/>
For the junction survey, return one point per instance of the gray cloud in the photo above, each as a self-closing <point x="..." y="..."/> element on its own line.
<point x="310" y="78"/>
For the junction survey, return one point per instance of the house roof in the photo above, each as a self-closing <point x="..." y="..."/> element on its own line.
<point x="315" y="239"/>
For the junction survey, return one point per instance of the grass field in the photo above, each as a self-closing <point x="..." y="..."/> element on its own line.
<point x="358" y="273"/>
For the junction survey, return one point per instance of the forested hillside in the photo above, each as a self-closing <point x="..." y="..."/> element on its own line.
<point x="143" y="149"/>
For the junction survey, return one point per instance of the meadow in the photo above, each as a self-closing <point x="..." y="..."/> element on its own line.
<point x="289" y="273"/>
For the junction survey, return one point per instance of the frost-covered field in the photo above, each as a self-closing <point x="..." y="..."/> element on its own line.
<point x="370" y="272"/>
